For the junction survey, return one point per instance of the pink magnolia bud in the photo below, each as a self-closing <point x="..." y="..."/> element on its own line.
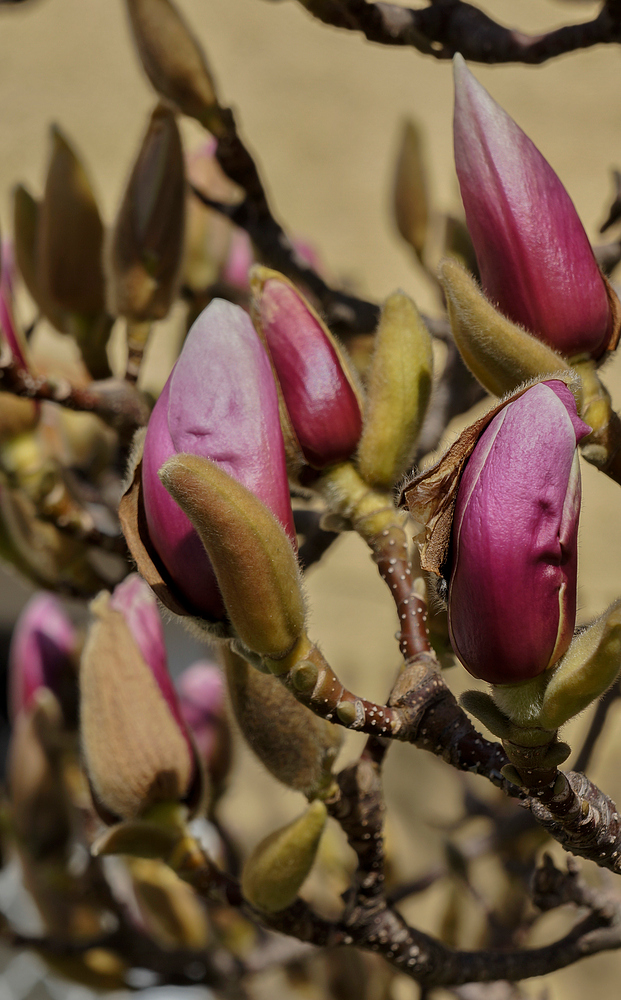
<point x="319" y="393"/>
<point x="512" y="591"/>
<point x="42" y="647"/>
<point x="535" y="259"/>
<point x="8" y="327"/>
<point x="220" y="402"/>
<point x="135" y="601"/>
<point x="202" y="701"/>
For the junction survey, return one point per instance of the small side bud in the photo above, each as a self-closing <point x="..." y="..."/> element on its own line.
<point x="277" y="868"/>
<point x="293" y="743"/>
<point x="499" y="354"/>
<point x="589" y="667"/>
<point x="172" y="58"/>
<point x="148" y="237"/>
<point x="410" y="196"/>
<point x="171" y="910"/>
<point x="398" y="392"/>
<point x="253" y="559"/>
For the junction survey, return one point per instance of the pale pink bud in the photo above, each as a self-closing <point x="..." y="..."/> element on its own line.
<point x="43" y="645"/>
<point x="534" y="256"/>
<point x="220" y="402"/>
<point x="202" y="700"/>
<point x="512" y="591"/>
<point x="320" y="395"/>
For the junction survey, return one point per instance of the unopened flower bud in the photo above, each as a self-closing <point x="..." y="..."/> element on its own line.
<point x="253" y="559"/>
<point x="172" y="58"/>
<point x="499" y="354"/>
<point x="43" y="646"/>
<point x="293" y="743"/>
<point x="320" y="395"/>
<point x="275" y="871"/>
<point x="512" y="590"/>
<point x="411" y="200"/>
<point x="589" y="667"/>
<point x="220" y="402"/>
<point x="534" y="256"/>
<point x="148" y="237"/>
<point x="8" y="326"/>
<point x="398" y="392"/>
<point x="202" y="701"/>
<point x="136" y="747"/>
<point x="69" y="255"/>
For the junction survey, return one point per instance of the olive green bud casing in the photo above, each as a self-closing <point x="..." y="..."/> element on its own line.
<point x="398" y="393"/>
<point x="172" y="58"/>
<point x="170" y="908"/>
<point x="147" y="243"/>
<point x="293" y="743"/>
<point x="253" y="559"/>
<point x="499" y="354"/>
<point x="410" y="196"/>
<point x="273" y="874"/>
<point x="589" y="667"/>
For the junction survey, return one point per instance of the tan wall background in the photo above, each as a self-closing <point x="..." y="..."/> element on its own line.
<point x="322" y="111"/>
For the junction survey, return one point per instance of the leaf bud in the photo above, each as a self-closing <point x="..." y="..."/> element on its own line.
<point x="275" y="871"/>
<point x="253" y="559"/>
<point x="398" y="392"/>
<point x="147" y="242"/>
<point x="172" y="58"/>
<point x="293" y="743"/>
<point x="499" y="354"/>
<point x="589" y="667"/>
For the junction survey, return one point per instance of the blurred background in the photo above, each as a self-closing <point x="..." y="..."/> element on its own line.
<point x="322" y="111"/>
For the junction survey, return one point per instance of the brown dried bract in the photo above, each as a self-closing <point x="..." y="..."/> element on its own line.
<point x="615" y="310"/>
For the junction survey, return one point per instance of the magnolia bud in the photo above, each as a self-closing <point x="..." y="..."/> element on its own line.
<point x="588" y="668"/>
<point x="275" y="871"/>
<point x="172" y="58"/>
<point x="499" y="354"/>
<point x="411" y="200"/>
<point x="219" y="402"/>
<point x="173" y="914"/>
<point x="136" y="747"/>
<point x="252" y="557"/>
<point x="319" y="391"/>
<point x="534" y="255"/>
<point x="148" y="236"/>
<point x="398" y="392"/>
<point x="8" y="326"/>
<point x="69" y="255"/>
<point x="512" y="590"/>
<point x="42" y="649"/>
<point x="293" y="743"/>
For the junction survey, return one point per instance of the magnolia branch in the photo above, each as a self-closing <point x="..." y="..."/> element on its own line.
<point x="445" y="27"/>
<point x="116" y="402"/>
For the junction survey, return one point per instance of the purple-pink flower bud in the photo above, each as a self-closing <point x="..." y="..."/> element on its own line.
<point x="534" y="256"/>
<point x="220" y="402"/>
<point x="319" y="393"/>
<point x="512" y="590"/>
<point x="43" y="645"/>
